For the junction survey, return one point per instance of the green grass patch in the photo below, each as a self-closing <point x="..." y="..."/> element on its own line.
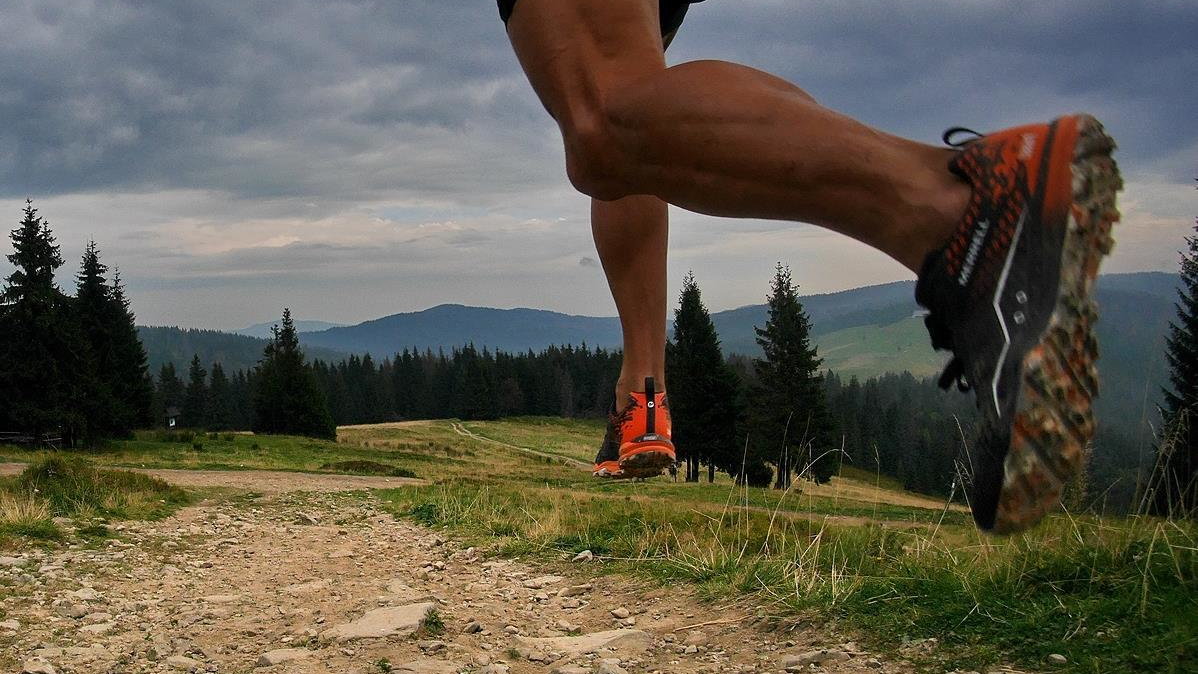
<point x="1110" y="595"/>
<point x="70" y="486"/>
<point x="361" y="467"/>
<point x="74" y="487"/>
<point x="433" y="625"/>
<point x="244" y="451"/>
<point x="570" y="438"/>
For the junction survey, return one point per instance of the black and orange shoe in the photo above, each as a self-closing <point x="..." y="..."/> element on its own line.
<point x="1010" y="296"/>
<point x="607" y="461"/>
<point x="637" y="442"/>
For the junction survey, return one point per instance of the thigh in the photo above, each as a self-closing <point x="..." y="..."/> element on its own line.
<point x="573" y="51"/>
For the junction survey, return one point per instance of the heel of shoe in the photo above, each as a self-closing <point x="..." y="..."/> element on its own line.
<point x="647" y="459"/>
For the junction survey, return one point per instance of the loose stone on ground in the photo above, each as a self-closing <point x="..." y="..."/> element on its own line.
<point x="310" y="583"/>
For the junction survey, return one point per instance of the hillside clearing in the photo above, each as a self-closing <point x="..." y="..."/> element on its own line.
<point x="886" y="568"/>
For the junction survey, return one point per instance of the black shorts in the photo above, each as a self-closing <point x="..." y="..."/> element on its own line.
<point x="672" y="12"/>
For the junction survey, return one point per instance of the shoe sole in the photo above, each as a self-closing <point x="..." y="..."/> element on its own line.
<point x="1054" y="420"/>
<point x="646" y="461"/>
<point x="605" y="471"/>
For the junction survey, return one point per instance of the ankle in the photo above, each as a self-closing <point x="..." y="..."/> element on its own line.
<point x="935" y="211"/>
<point x="629" y="384"/>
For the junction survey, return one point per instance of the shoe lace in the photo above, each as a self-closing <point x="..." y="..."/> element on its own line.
<point x="952" y="132"/>
<point x="942" y="338"/>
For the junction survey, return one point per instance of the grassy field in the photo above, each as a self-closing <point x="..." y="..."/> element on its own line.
<point x="1109" y="594"/>
<point x="866" y="350"/>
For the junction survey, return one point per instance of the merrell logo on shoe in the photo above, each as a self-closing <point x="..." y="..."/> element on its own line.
<point x="975" y="249"/>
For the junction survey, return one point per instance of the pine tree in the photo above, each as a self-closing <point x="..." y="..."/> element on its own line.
<point x="195" y="398"/>
<point x="287" y="399"/>
<point x="788" y="405"/>
<point x="131" y="382"/>
<point x="704" y="393"/>
<point x="474" y="386"/>
<point x="243" y="394"/>
<point x="220" y="400"/>
<point x="102" y="412"/>
<point x="41" y="351"/>
<point x="1176" y="478"/>
<point x="170" y="389"/>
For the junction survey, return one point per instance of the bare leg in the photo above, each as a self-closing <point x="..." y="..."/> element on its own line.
<point x="631" y="236"/>
<point x="721" y="138"/>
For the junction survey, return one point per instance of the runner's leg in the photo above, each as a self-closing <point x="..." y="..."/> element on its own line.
<point x="630" y="236"/>
<point x="721" y="138"/>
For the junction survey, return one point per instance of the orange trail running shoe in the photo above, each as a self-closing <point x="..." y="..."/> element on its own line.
<point x="637" y="443"/>
<point x="607" y="462"/>
<point x="1010" y="296"/>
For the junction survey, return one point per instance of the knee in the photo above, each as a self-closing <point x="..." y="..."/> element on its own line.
<point x="594" y="163"/>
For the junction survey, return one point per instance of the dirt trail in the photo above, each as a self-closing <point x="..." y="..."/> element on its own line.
<point x="226" y="586"/>
<point x="461" y="429"/>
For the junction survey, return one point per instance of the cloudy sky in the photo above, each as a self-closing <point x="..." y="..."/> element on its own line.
<point x="352" y="159"/>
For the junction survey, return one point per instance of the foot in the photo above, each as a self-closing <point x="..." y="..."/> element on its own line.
<point x="1010" y="296"/>
<point x="637" y="443"/>
<point x="607" y="461"/>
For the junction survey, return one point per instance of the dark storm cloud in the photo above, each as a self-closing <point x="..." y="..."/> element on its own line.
<point x="234" y="154"/>
<point x="354" y="100"/>
<point x="917" y="67"/>
<point x="338" y="99"/>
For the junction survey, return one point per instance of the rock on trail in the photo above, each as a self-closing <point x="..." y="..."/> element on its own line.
<point x="395" y="621"/>
<point x="629" y="642"/>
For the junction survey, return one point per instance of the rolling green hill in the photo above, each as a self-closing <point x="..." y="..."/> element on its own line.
<point x="867" y="350"/>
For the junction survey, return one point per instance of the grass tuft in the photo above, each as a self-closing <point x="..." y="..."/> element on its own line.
<point x="23" y="514"/>
<point x="364" y="467"/>
<point x="73" y="487"/>
<point x="432" y="625"/>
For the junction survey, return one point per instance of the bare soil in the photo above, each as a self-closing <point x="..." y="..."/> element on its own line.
<point x="221" y="583"/>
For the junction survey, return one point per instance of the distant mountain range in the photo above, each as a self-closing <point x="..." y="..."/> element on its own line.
<point x="233" y="351"/>
<point x="860" y="332"/>
<point x="262" y="330"/>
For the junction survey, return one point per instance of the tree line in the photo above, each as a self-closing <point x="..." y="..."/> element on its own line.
<point x="72" y="370"/>
<point x="466" y="383"/>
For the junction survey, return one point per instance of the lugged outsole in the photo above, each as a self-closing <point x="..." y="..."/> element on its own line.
<point x="646" y="462"/>
<point x="608" y="471"/>
<point x="1054" y="419"/>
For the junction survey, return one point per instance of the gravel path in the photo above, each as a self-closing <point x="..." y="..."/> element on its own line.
<point x="325" y="582"/>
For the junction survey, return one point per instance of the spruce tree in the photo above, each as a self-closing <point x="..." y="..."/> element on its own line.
<point x="787" y="404"/>
<point x="287" y="399"/>
<point x="102" y="411"/>
<point x="704" y="392"/>
<point x="1176" y="478"/>
<point x="170" y="390"/>
<point x="474" y="387"/>
<point x="220" y="400"/>
<point x="195" y="399"/>
<point x="42" y="353"/>
<point x="131" y="382"/>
